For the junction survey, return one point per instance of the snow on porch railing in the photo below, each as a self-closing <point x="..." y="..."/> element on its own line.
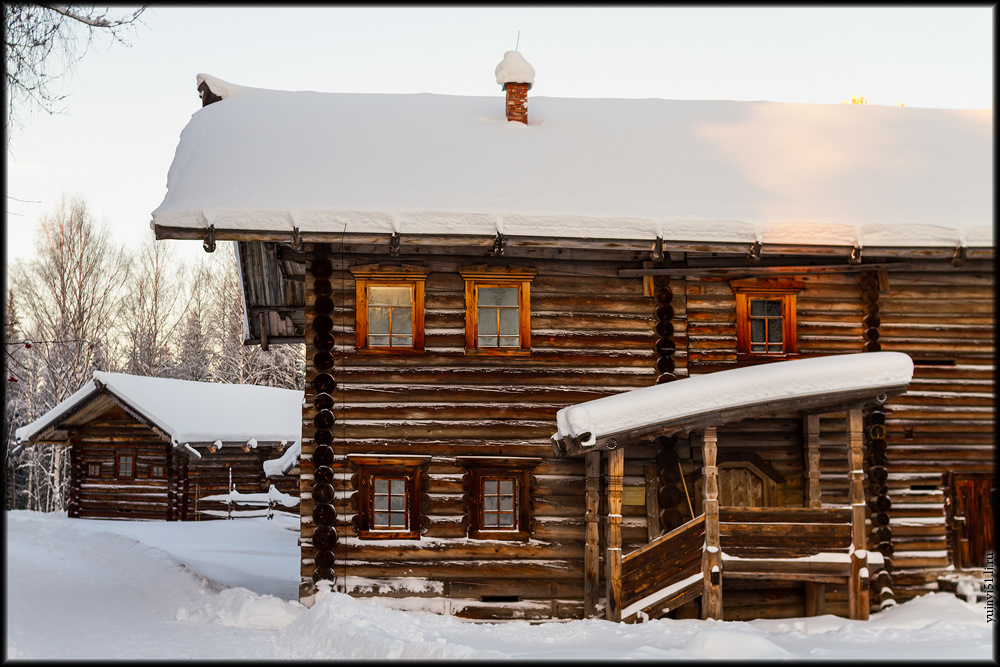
<point x="664" y="573"/>
<point x="267" y="502"/>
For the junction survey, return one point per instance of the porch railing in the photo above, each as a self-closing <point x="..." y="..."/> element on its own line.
<point x="665" y="573"/>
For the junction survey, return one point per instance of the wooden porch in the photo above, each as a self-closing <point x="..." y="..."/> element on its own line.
<point x="816" y="545"/>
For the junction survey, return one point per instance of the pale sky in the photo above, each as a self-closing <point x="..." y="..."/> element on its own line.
<point x="127" y="106"/>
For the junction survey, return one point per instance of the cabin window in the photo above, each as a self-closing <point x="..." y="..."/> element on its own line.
<point x="389" y="308"/>
<point x="156" y="471"/>
<point x="93" y="469"/>
<point x="765" y="318"/>
<point x="499" y="500"/>
<point x="497" y="309"/>
<point x="388" y="498"/>
<point x="125" y="465"/>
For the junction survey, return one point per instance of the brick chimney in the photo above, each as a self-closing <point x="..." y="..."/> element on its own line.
<point x="516" y="76"/>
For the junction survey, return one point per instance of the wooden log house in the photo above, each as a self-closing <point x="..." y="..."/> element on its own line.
<point x="458" y="277"/>
<point x="167" y="449"/>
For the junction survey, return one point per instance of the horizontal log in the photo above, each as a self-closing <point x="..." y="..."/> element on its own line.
<point x="785" y="514"/>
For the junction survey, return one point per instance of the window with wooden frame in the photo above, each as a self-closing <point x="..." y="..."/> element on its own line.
<point x="389" y="308"/>
<point x="125" y="464"/>
<point x="765" y="317"/>
<point x="93" y="470"/>
<point x="388" y="496"/>
<point x="156" y="471"/>
<point x="497" y="309"/>
<point x="498" y="494"/>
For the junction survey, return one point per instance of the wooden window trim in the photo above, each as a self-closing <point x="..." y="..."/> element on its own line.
<point x="380" y="275"/>
<point x="91" y="470"/>
<point x="497" y="276"/>
<point x="153" y="469"/>
<point x="368" y="468"/>
<point x="118" y="469"/>
<point x="483" y="468"/>
<point x="772" y="289"/>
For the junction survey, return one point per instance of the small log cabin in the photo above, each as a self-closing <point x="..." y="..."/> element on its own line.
<point x="462" y="270"/>
<point x="160" y="448"/>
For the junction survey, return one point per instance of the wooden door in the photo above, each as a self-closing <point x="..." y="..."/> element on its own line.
<point x="971" y="517"/>
<point x="740" y="487"/>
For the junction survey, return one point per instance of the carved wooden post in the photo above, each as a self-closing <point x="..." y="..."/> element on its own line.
<point x="858" y="587"/>
<point x="815" y="591"/>
<point x="591" y="551"/>
<point x="613" y="557"/>
<point x="711" y="558"/>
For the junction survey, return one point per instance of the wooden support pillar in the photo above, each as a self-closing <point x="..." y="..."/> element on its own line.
<point x="652" y="502"/>
<point x="815" y="591"/>
<point x="858" y="586"/>
<point x="591" y="551"/>
<point x="711" y="558"/>
<point x="813" y="491"/>
<point x="613" y="557"/>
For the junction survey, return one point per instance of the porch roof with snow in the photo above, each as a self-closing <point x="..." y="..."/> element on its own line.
<point x="183" y="411"/>
<point x="712" y="172"/>
<point x="694" y="403"/>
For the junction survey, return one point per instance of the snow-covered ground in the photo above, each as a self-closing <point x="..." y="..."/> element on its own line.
<point x="87" y="589"/>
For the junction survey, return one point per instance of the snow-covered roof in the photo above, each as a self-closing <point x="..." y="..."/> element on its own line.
<point x="284" y="463"/>
<point x="684" y="402"/>
<point x="706" y="171"/>
<point x="191" y="412"/>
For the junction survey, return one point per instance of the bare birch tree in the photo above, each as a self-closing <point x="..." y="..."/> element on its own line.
<point x="150" y="318"/>
<point x="42" y="42"/>
<point x="70" y="293"/>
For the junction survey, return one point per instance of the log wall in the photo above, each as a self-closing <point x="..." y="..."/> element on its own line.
<point x="591" y="336"/>
<point x="175" y="495"/>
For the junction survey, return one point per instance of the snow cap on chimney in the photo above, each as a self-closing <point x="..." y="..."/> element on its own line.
<point x="516" y="76"/>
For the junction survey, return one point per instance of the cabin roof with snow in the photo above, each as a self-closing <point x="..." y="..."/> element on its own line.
<point x="637" y="169"/>
<point x="186" y="412"/>
<point x="731" y="395"/>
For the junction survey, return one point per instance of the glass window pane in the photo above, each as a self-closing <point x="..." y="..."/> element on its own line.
<point x="381" y="519"/>
<point x="398" y="487"/>
<point x="506" y="520"/>
<point x="490" y="486"/>
<point x="402" y="321"/>
<point x="772" y="308"/>
<point x="389" y="296"/>
<point x="378" y="320"/>
<point x="487" y="341"/>
<point x="490" y="521"/>
<point x="507" y="486"/>
<point x="381" y="486"/>
<point x="397" y="520"/>
<point x="774" y="330"/>
<point x="398" y="503"/>
<point x="509" y="325"/>
<point x="507" y="503"/>
<point x="497" y="296"/>
<point x="490" y="503"/>
<point x="382" y="341"/>
<point x="509" y="341"/>
<point x="757" y="347"/>
<point x="381" y="502"/>
<point x="756" y="307"/>
<point x="757" y="331"/>
<point x="487" y="321"/>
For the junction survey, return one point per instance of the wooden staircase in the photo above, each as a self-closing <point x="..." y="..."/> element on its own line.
<point x="665" y="573"/>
